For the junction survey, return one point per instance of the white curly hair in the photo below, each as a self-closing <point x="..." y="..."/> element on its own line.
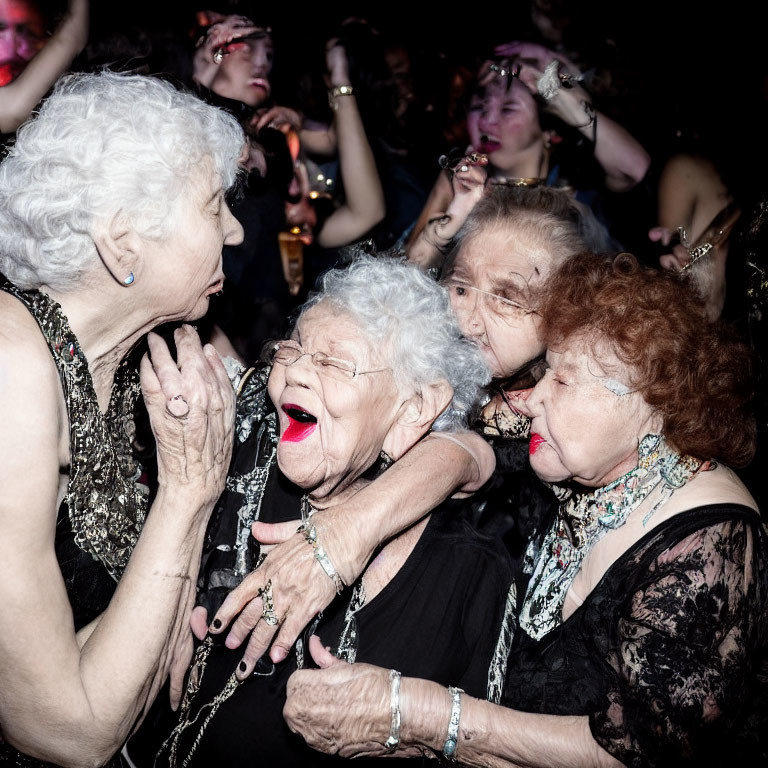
<point x="103" y="144"/>
<point x="409" y="316"/>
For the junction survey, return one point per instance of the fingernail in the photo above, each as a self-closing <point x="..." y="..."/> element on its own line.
<point x="216" y="624"/>
<point x="278" y="654"/>
<point x="242" y="666"/>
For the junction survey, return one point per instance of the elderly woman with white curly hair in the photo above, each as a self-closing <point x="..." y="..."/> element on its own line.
<point x="112" y="220"/>
<point x="376" y="361"/>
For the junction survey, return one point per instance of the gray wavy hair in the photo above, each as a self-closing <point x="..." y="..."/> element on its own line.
<point x="410" y="316"/>
<point x="103" y="144"/>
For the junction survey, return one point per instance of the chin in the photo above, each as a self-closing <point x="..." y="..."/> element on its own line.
<point x="300" y="466"/>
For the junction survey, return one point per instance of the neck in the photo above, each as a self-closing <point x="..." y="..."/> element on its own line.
<point x="107" y="325"/>
<point x="530" y="163"/>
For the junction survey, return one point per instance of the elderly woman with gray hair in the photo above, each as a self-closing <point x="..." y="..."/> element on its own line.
<point x="375" y="362"/>
<point x="112" y="221"/>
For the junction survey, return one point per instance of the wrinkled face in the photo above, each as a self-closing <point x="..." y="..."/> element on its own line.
<point x="243" y="74"/>
<point x="21" y="37"/>
<point x="511" y="265"/>
<point x="582" y="429"/>
<point x="332" y="426"/>
<point x="504" y="122"/>
<point x="183" y="270"/>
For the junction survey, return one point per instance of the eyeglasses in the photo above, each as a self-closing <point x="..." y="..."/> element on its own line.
<point x="289" y="352"/>
<point x="498" y="305"/>
<point x="716" y="233"/>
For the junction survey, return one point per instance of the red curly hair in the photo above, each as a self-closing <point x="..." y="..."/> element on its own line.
<point x="695" y="373"/>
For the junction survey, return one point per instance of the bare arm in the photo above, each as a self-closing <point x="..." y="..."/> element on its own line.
<point x="364" y="206"/>
<point x="19" y="98"/>
<point x="468" y="185"/>
<point x="89" y="697"/>
<point x="438" y="201"/>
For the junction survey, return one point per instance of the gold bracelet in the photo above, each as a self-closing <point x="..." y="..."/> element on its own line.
<point x="336" y="91"/>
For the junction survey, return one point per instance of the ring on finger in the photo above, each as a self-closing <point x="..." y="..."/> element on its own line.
<point x="268" y="614"/>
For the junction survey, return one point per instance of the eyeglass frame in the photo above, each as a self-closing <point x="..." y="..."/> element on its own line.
<point x="502" y="299"/>
<point x="318" y="359"/>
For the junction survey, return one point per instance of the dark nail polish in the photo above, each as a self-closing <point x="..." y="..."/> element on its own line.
<point x="216" y="624"/>
<point x="242" y="666"/>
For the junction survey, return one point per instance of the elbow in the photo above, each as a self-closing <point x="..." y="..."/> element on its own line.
<point x="67" y="746"/>
<point x="631" y="173"/>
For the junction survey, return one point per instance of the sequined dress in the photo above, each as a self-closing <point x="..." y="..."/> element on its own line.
<point x="103" y="510"/>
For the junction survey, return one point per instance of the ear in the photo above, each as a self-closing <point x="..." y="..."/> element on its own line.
<point x="416" y="416"/>
<point x="118" y="246"/>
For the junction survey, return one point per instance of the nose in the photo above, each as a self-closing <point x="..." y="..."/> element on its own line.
<point x="466" y="309"/>
<point x="260" y="61"/>
<point x="489" y="117"/>
<point x="300" y="373"/>
<point x="233" y="228"/>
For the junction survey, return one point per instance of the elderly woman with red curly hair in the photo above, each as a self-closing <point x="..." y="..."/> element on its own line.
<point x="636" y="631"/>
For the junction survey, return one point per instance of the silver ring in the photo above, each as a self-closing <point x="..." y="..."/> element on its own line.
<point x="268" y="614"/>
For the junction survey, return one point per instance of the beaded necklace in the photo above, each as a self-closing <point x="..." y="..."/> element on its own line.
<point x="583" y="519"/>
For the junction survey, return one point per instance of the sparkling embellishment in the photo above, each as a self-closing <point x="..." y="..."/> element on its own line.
<point x="106" y="505"/>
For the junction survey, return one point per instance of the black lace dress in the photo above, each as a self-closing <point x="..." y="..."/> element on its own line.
<point x="667" y="654"/>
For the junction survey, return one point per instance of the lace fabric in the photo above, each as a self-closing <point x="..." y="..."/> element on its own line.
<point x="667" y="654"/>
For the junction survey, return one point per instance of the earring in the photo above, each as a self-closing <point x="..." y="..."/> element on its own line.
<point x="129" y="280"/>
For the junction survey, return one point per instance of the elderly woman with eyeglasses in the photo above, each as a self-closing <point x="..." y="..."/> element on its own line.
<point x="638" y="634"/>
<point x="375" y="362"/>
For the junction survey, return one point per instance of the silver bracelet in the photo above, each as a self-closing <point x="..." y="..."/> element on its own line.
<point x="394" y="711"/>
<point x="310" y="534"/>
<point x="452" y="739"/>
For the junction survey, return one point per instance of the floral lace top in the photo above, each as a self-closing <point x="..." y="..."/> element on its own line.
<point x="667" y="654"/>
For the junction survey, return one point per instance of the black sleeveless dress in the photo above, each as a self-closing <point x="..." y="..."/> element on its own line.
<point x="101" y="515"/>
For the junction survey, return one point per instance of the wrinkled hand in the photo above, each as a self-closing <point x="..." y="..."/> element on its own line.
<point x="336" y="61"/>
<point x="300" y="590"/>
<point x="191" y="406"/>
<point x="468" y="182"/>
<point x="341" y="708"/>
<point x="221" y="32"/>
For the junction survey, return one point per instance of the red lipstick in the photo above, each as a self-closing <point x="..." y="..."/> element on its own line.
<point x="301" y="423"/>
<point x="535" y="444"/>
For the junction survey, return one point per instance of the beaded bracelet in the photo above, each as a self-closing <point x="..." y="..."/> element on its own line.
<point x="452" y="738"/>
<point x="309" y="532"/>
<point x="394" y="711"/>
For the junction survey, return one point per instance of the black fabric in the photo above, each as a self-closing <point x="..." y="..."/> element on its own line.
<point x="438" y="618"/>
<point x="667" y="653"/>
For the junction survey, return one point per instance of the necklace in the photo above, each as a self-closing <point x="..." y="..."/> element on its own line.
<point x="583" y="519"/>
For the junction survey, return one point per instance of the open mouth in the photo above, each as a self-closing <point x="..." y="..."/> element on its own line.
<point x="489" y="144"/>
<point x="301" y="423"/>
